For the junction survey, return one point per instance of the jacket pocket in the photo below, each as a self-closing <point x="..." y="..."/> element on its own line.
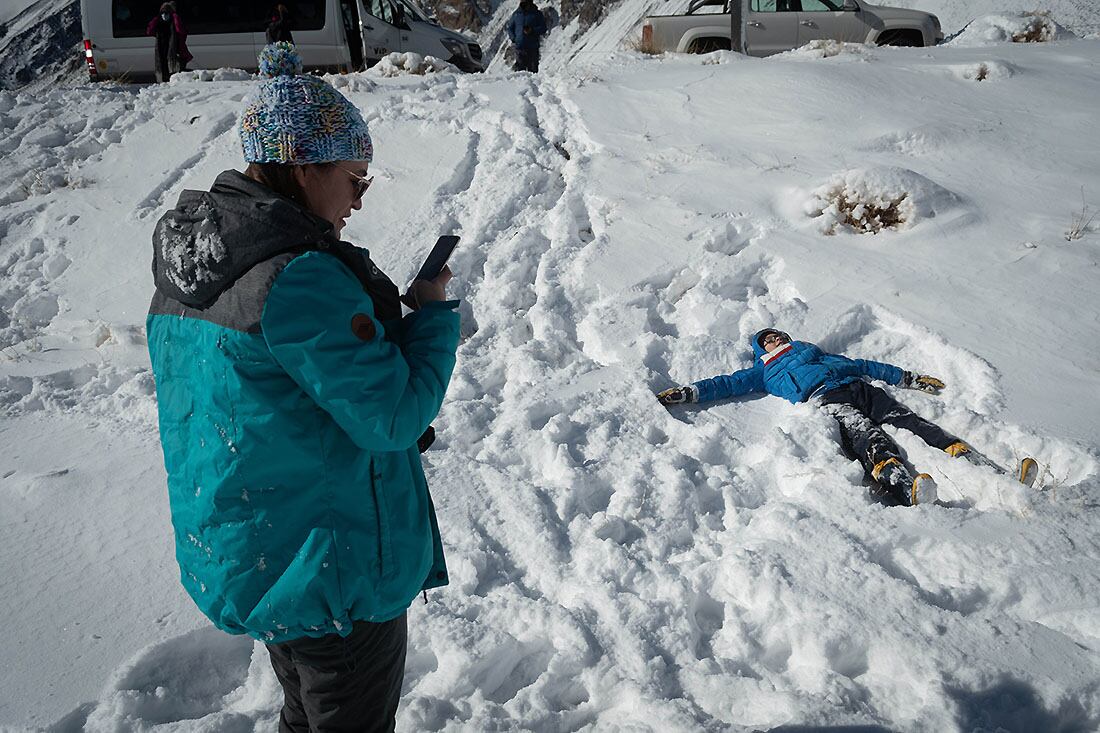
<point x="382" y="511"/>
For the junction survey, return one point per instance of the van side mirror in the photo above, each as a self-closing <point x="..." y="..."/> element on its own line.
<point x="851" y="5"/>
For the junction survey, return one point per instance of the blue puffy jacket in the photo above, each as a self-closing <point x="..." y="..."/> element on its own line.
<point x="533" y="20"/>
<point x="291" y="394"/>
<point x="795" y="373"/>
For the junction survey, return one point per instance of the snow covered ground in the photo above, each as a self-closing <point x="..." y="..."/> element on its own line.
<point x="626" y="225"/>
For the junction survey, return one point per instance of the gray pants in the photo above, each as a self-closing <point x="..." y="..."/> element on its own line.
<point x="861" y="409"/>
<point x="336" y="684"/>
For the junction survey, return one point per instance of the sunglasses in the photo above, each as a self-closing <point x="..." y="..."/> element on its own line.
<point x="361" y="184"/>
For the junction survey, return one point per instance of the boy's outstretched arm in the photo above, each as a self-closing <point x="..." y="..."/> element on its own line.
<point x="745" y="381"/>
<point x="897" y="376"/>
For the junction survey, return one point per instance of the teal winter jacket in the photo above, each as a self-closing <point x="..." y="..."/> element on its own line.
<point x="291" y="394"/>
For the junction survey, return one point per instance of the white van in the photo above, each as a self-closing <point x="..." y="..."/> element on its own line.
<point x="330" y="35"/>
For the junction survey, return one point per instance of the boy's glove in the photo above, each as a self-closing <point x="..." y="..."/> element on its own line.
<point x="923" y="382"/>
<point x="678" y="395"/>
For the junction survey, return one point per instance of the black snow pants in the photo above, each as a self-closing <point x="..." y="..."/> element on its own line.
<point x="527" y="59"/>
<point x="337" y="684"/>
<point x="861" y="408"/>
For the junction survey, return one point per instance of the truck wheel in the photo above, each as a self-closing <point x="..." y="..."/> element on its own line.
<point x="707" y="45"/>
<point x="901" y="38"/>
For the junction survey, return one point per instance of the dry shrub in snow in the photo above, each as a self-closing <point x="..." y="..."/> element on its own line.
<point x="985" y="71"/>
<point x="866" y="201"/>
<point x="399" y="64"/>
<point x="1018" y="27"/>
<point x="1081" y="221"/>
<point x="644" y="46"/>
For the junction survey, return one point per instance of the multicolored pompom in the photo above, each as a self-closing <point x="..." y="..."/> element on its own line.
<point x="280" y="59"/>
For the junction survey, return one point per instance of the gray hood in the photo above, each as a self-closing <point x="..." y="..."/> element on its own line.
<point x="892" y="14"/>
<point x="213" y="237"/>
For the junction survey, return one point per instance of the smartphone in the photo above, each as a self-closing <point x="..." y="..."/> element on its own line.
<point x="438" y="257"/>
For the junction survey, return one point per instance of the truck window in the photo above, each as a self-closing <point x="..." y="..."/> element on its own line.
<point x="772" y="6"/>
<point x="820" y="6"/>
<point x="201" y="17"/>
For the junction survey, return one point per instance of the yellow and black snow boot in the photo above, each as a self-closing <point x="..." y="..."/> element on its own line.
<point x="924" y="490"/>
<point x="957" y="449"/>
<point x="1029" y="471"/>
<point x="893" y="476"/>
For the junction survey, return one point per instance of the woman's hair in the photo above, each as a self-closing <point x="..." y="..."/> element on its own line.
<point x="279" y="177"/>
<point x="168" y="7"/>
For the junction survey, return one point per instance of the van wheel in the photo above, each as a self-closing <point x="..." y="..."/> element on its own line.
<point x="707" y="45"/>
<point x="901" y="38"/>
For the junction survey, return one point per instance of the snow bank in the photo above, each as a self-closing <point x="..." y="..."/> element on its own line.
<point x="400" y="64"/>
<point x="223" y="74"/>
<point x="1019" y="27"/>
<point x="225" y="681"/>
<point x="869" y="200"/>
<point x="826" y="48"/>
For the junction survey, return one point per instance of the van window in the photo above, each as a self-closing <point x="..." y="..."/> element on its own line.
<point x="202" y="17"/>
<point x="381" y="9"/>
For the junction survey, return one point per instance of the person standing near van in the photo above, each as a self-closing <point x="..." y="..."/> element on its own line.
<point x="171" y="54"/>
<point x="526" y="28"/>
<point x="278" y="29"/>
<point x="292" y="393"/>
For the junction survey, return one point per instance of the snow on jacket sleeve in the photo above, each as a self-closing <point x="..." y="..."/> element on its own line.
<point x="383" y="395"/>
<point x="724" y="386"/>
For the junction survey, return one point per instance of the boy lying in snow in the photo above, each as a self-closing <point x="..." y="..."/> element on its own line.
<point x="799" y="371"/>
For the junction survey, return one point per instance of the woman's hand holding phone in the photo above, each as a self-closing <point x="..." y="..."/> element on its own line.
<point x="428" y="291"/>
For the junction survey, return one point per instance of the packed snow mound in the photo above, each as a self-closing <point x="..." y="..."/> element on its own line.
<point x="400" y="64"/>
<point x="824" y="48"/>
<point x="224" y="681"/>
<point x="984" y="71"/>
<point x="868" y="200"/>
<point x="351" y="83"/>
<point x="223" y="74"/>
<point x="1020" y="27"/>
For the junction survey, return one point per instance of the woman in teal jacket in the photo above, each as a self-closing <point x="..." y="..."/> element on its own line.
<point x="292" y="395"/>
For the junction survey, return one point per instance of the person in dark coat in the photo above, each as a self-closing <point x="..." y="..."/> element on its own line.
<point x="171" y="54"/>
<point x="279" y="27"/>
<point x="798" y="372"/>
<point x="526" y="28"/>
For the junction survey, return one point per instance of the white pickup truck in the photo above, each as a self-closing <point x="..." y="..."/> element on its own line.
<point x="772" y="26"/>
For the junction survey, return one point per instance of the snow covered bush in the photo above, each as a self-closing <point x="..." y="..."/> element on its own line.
<point x="985" y="71"/>
<point x="866" y="201"/>
<point x="399" y="64"/>
<point x="1019" y="27"/>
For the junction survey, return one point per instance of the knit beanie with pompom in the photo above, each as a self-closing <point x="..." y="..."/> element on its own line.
<point x="295" y="119"/>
